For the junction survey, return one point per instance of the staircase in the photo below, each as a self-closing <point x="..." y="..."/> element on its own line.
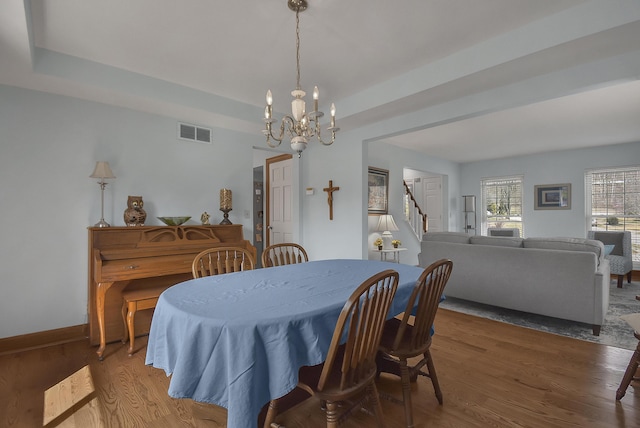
<point x="413" y="214"/>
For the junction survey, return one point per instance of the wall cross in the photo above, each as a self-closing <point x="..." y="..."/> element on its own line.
<point x="330" y="191"/>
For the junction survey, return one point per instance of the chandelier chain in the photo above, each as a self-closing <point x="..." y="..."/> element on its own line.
<point x="298" y="49"/>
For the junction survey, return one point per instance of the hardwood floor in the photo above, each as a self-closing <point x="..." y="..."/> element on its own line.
<point x="491" y="374"/>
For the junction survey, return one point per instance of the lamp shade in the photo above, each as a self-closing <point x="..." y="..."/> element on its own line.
<point x="469" y="204"/>
<point x="102" y="171"/>
<point x="386" y="223"/>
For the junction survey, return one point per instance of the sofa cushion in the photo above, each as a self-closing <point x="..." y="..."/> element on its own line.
<point x="454" y="237"/>
<point x="499" y="241"/>
<point x="567" y="244"/>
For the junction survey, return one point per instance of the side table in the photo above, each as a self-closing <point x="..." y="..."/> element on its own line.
<point x="395" y="252"/>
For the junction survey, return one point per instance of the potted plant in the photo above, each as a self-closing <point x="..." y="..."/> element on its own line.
<point x="378" y="243"/>
<point x="396" y="243"/>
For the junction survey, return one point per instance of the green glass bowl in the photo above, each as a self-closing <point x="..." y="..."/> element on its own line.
<point x="174" y="221"/>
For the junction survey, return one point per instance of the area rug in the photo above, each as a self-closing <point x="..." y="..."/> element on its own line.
<point x="614" y="332"/>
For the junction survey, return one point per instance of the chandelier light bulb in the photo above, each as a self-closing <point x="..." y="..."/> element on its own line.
<point x="316" y="95"/>
<point x="269" y="97"/>
<point x="333" y="110"/>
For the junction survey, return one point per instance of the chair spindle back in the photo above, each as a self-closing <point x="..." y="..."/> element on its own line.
<point x="216" y="261"/>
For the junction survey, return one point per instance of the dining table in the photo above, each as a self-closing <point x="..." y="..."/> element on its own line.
<point x="237" y="340"/>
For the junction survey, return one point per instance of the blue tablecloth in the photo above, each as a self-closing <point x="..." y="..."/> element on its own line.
<point x="237" y="340"/>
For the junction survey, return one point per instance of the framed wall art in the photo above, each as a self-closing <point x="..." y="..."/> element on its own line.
<point x="378" y="180"/>
<point x="552" y="197"/>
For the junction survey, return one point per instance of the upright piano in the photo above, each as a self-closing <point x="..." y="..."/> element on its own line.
<point x="139" y="257"/>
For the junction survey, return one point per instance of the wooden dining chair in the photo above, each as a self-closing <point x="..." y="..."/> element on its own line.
<point x="630" y="373"/>
<point x="209" y="262"/>
<point x="215" y="261"/>
<point x="350" y="369"/>
<point x="286" y="253"/>
<point x="402" y="340"/>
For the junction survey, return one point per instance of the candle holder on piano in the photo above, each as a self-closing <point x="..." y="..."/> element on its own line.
<point x="225" y="204"/>
<point x="226" y="216"/>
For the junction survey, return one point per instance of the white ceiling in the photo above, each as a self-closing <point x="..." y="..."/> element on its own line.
<point x="462" y="80"/>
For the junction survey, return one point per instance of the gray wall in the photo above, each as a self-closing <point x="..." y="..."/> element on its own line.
<point x="49" y="145"/>
<point x="395" y="160"/>
<point x="48" y="148"/>
<point x="551" y="168"/>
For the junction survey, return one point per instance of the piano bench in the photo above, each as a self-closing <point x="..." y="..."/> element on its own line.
<point x="137" y="300"/>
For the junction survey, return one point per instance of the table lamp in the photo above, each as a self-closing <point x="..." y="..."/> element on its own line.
<point x="102" y="171"/>
<point x="386" y="225"/>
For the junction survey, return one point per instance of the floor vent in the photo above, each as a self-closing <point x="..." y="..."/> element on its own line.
<point x="195" y="133"/>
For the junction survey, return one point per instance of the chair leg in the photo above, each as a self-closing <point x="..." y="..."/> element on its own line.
<point x="629" y="373"/>
<point x="332" y="414"/>
<point x="377" y="406"/>
<point x="620" y="278"/>
<point x="272" y="412"/>
<point x="406" y="392"/>
<point x="433" y="376"/>
<point x="125" y="334"/>
<point x="629" y="276"/>
<point x="130" y="324"/>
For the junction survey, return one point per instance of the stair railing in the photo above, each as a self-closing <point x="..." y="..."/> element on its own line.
<point x="416" y="218"/>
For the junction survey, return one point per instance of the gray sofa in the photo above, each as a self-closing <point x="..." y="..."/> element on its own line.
<point x="565" y="278"/>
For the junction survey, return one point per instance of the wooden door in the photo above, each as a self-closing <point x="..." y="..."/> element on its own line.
<point x="279" y="199"/>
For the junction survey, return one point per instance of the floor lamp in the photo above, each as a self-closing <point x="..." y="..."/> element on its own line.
<point x="102" y="171"/>
<point x="469" y="206"/>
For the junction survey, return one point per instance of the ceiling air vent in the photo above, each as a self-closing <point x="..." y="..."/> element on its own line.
<point x="195" y="133"/>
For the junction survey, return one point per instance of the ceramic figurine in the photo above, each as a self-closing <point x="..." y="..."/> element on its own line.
<point x="134" y="215"/>
<point x="204" y="218"/>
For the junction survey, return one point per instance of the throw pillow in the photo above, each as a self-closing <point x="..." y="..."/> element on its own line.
<point x="608" y="249"/>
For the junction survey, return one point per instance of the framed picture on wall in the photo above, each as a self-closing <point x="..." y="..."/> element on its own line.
<point x="552" y="196"/>
<point x="378" y="190"/>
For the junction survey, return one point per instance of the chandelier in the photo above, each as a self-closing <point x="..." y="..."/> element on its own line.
<point x="300" y="126"/>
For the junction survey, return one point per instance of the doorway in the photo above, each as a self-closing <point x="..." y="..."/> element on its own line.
<point x="279" y="199"/>
<point x="432" y="197"/>
<point x="258" y="211"/>
<point x="427" y="189"/>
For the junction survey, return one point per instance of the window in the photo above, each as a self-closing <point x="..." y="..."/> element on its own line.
<point x="502" y="203"/>
<point x="615" y="202"/>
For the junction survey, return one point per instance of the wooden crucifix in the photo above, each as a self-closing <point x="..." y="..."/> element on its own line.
<point x="330" y="191"/>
